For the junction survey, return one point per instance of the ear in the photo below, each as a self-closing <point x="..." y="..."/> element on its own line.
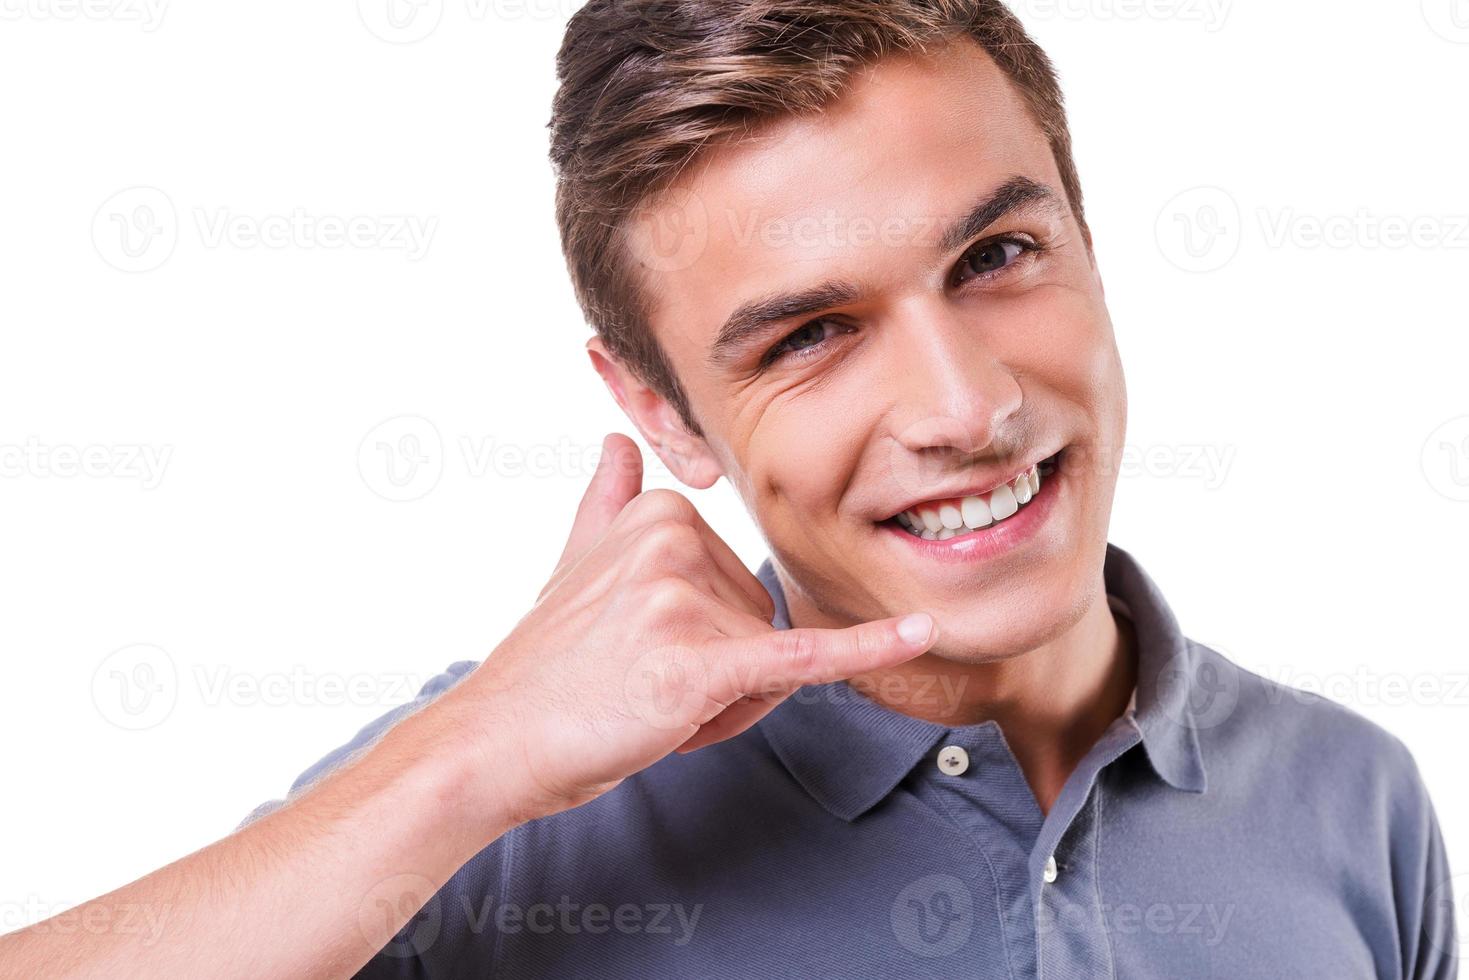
<point x="686" y="455"/>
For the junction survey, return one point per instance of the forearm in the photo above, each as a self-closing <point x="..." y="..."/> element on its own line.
<point x="313" y="889"/>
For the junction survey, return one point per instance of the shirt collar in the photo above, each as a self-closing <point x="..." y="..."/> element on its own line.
<point x="849" y="752"/>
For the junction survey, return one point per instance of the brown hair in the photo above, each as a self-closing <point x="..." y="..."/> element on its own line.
<point x="646" y="84"/>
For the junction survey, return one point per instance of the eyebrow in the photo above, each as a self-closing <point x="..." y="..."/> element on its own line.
<point x="756" y="318"/>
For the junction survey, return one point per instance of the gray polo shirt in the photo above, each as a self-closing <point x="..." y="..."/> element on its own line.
<point x="1225" y="827"/>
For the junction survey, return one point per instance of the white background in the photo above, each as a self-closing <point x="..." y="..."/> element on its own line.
<point x="193" y="433"/>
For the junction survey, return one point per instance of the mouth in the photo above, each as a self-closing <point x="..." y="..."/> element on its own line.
<point x="977" y="515"/>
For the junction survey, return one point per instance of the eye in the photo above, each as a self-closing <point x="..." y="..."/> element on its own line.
<point x="801" y="342"/>
<point x="995" y="255"/>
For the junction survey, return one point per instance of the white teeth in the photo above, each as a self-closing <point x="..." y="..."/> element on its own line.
<point x="1003" y="503"/>
<point x="949" y="520"/>
<point x="977" y="512"/>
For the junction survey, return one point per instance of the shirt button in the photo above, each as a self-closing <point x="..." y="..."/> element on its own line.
<point x="953" y="760"/>
<point x="1049" y="874"/>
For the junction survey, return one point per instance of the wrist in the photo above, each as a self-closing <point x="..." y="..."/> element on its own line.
<point x="466" y="756"/>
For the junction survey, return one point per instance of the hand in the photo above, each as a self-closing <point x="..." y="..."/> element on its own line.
<point x="650" y="637"/>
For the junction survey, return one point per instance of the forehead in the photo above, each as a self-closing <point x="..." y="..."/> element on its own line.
<point x="859" y="191"/>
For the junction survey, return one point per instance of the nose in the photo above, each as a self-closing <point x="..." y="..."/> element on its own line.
<point x="953" y="394"/>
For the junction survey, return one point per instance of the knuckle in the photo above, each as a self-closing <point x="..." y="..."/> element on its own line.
<point x="673" y="537"/>
<point x="667" y="545"/>
<point x="666" y="598"/>
<point x="663" y="504"/>
<point x="797" y="651"/>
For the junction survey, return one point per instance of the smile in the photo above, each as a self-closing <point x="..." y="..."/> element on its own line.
<point x="942" y="519"/>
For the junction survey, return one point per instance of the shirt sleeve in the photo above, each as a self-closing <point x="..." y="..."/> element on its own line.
<point x="365" y="738"/>
<point x="1422" y="882"/>
<point x="1437" y="955"/>
<point x="405" y="957"/>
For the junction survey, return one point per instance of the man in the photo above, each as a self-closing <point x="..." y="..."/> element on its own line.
<point x="836" y="253"/>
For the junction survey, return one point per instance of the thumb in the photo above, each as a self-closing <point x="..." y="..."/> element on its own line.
<point x="618" y="479"/>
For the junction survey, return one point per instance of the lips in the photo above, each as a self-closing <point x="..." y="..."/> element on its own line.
<point x="940" y="518"/>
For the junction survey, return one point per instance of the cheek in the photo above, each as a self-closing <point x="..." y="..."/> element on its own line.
<point x="1062" y="338"/>
<point x="1068" y="350"/>
<point x="803" y="452"/>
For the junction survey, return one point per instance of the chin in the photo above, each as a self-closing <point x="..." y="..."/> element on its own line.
<point x="1013" y="619"/>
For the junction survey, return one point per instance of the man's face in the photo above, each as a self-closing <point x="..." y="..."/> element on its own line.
<point x="940" y="359"/>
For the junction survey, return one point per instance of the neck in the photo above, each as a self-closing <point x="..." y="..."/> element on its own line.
<point x="1052" y="703"/>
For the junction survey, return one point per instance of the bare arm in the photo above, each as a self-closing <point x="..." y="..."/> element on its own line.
<point x="313" y="889"/>
<point x="651" y="637"/>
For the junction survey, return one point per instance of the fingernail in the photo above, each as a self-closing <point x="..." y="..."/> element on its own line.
<point x="915" y="628"/>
